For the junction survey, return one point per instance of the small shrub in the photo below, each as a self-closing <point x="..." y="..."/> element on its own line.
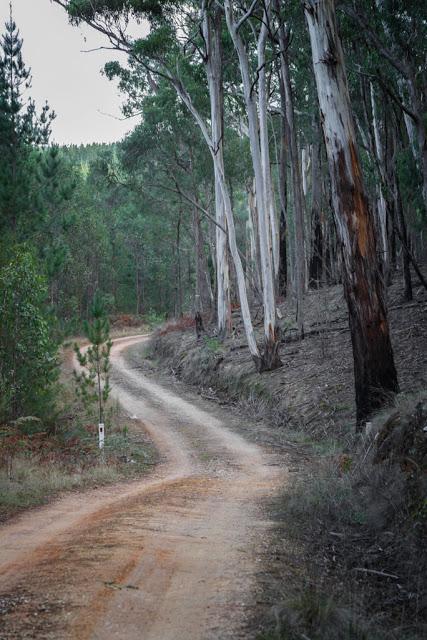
<point x="212" y="343"/>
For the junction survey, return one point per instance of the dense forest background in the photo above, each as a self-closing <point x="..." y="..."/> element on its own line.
<point x="145" y="222"/>
<point x="268" y="215"/>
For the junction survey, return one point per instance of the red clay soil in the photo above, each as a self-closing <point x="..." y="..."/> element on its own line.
<point x="170" y="557"/>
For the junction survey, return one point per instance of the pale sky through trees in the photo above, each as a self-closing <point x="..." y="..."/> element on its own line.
<point x="67" y="78"/>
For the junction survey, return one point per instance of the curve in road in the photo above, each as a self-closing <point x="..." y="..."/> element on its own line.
<point x="172" y="556"/>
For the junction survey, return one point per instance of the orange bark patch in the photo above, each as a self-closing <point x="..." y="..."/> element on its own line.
<point x="360" y="205"/>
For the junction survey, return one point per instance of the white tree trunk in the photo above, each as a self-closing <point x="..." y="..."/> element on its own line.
<point x="296" y="180"/>
<point x="214" y="75"/>
<point x="220" y="177"/>
<point x="253" y="237"/>
<point x="264" y="141"/>
<point x="381" y="203"/>
<point x="374" y="370"/>
<point x="271" y="338"/>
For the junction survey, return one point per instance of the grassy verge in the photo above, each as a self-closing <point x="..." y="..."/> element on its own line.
<point x="359" y="517"/>
<point x="206" y="362"/>
<point x="37" y="462"/>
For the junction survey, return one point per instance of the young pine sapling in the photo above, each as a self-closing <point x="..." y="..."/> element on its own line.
<point x="93" y="381"/>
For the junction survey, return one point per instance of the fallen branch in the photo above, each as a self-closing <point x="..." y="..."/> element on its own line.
<point x="383" y="574"/>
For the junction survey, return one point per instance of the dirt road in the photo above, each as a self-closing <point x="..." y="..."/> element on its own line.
<point x="170" y="557"/>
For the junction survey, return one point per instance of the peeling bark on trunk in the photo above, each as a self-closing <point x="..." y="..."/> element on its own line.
<point x="374" y="370"/>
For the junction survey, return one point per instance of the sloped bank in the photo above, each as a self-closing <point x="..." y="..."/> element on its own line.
<point x="313" y="392"/>
<point x="348" y="560"/>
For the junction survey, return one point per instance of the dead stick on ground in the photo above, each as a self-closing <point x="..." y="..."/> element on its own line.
<point x="377" y="573"/>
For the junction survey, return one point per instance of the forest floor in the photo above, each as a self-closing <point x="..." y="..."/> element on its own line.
<point x="174" y="555"/>
<point x="313" y="392"/>
<point x="264" y="518"/>
<point x="348" y="557"/>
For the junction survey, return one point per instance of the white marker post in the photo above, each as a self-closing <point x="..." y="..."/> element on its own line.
<point x="101" y="434"/>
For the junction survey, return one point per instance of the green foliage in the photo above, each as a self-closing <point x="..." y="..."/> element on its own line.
<point x="28" y="352"/>
<point x="91" y="9"/>
<point x="154" y="319"/>
<point x="22" y="130"/>
<point x="156" y="44"/>
<point x="212" y="344"/>
<point x="93" y="385"/>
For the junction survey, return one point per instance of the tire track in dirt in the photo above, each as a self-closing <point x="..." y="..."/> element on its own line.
<point x="171" y="556"/>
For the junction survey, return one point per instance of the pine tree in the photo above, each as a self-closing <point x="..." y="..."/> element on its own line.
<point x="93" y="385"/>
<point x="22" y="131"/>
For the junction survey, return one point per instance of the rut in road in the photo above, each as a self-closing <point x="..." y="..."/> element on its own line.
<point x="168" y="557"/>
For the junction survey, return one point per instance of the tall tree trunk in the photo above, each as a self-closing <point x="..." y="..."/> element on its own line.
<point x="252" y="267"/>
<point x="411" y="129"/>
<point x="214" y="61"/>
<point x="204" y="294"/>
<point x="220" y="179"/>
<point x="178" y="274"/>
<point x="138" y="281"/>
<point x="374" y="370"/>
<point x="273" y="236"/>
<point x="406" y="260"/>
<point x="316" y="259"/>
<point x="297" y="193"/>
<point x="270" y="356"/>
<point x="283" y="192"/>
<point x="398" y="213"/>
<point x="383" y="221"/>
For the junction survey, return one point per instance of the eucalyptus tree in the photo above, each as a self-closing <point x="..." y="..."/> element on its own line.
<point x="374" y="370"/>
<point x="161" y="55"/>
<point x="397" y="31"/>
<point x="213" y="56"/>
<point x="259" y="146"/>
<point x="283" y="36"/>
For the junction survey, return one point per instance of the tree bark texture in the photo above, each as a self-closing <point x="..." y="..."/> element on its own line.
<point x="270" y="357"/>
<point x="374" y="370"/>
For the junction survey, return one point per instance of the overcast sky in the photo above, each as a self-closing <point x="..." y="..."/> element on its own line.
<point x="67" y="78"/>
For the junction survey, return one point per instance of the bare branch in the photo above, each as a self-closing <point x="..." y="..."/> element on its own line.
<point x="247" y="15"/>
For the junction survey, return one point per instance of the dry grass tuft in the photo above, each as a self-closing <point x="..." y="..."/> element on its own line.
<point x="362" y="519"/>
